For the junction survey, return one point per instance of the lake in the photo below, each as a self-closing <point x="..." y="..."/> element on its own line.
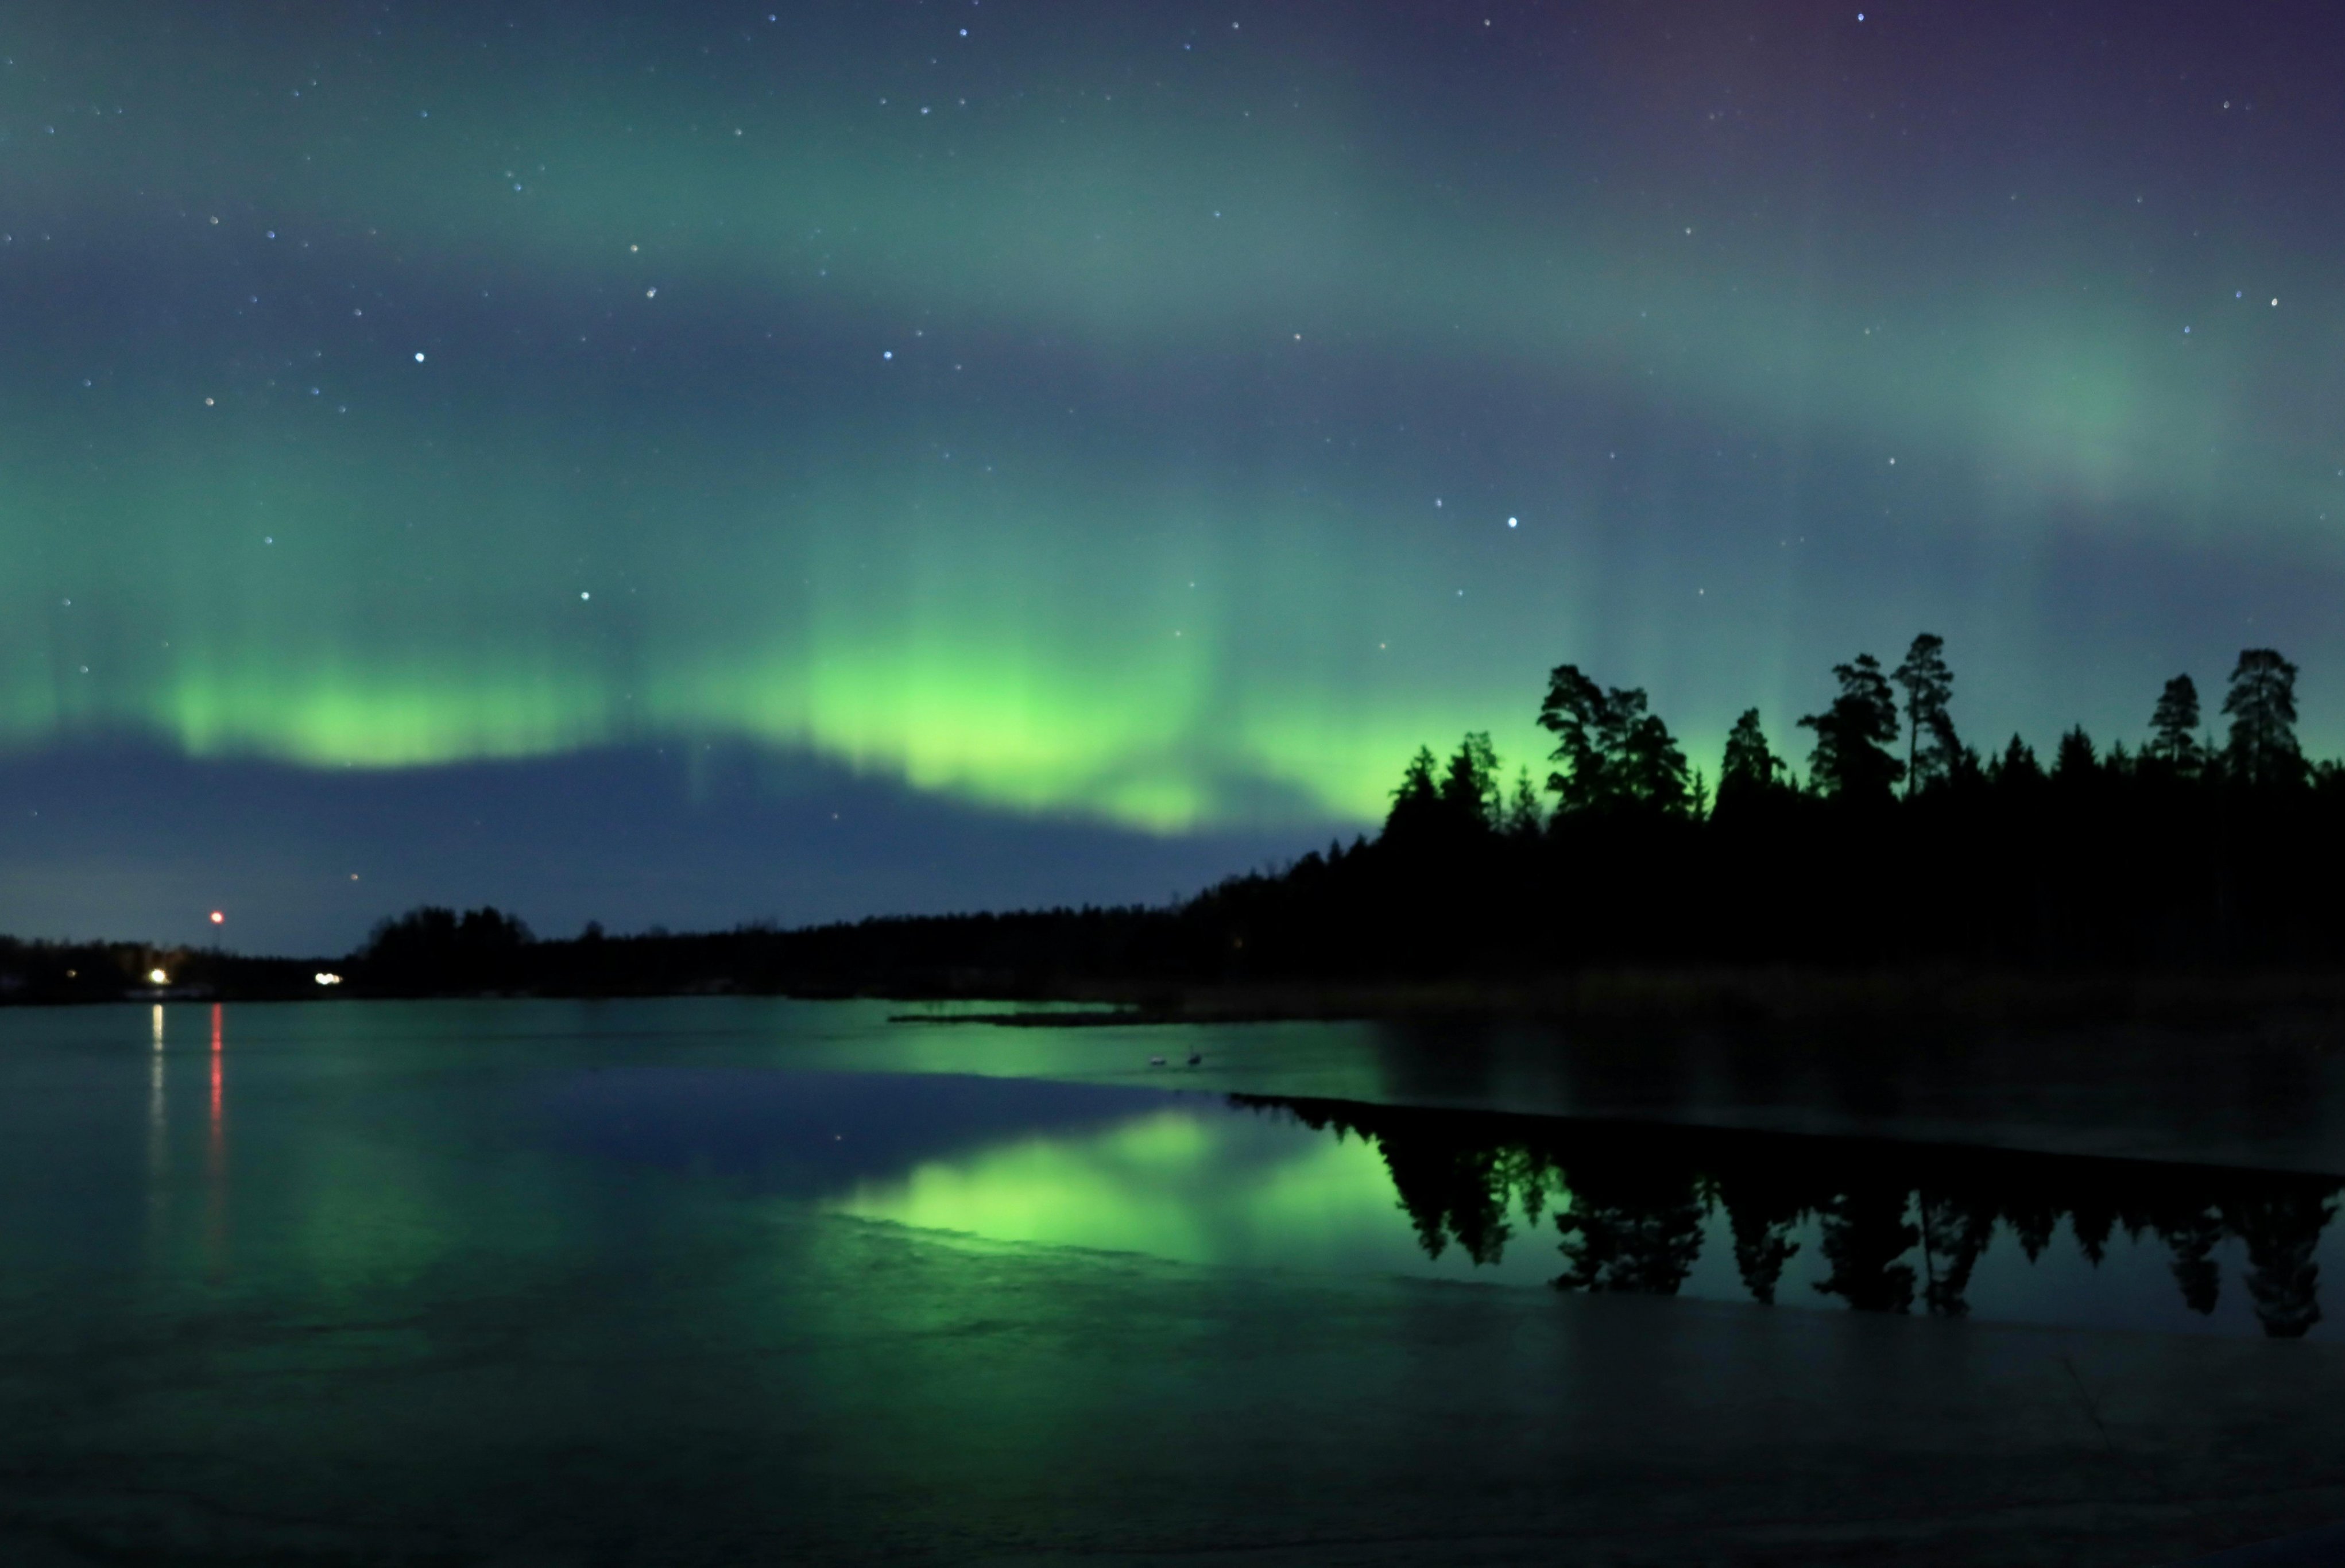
<point x="683" y="1281"/>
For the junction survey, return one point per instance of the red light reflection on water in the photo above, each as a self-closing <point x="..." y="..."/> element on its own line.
<point x="215" y="1163"/>
<point x="216" y="1083"/>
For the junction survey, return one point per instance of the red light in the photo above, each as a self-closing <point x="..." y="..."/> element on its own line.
<point x="219" y="918"/>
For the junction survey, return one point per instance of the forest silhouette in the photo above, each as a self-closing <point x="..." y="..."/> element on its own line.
<point x="2211" y="845"/>
<point x="1900" y="1227"/>
<point x="1899" y="842"/>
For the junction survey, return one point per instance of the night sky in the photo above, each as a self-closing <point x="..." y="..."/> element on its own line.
<point x="696" y="461"/>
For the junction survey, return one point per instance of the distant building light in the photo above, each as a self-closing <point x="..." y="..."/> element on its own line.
<point x="159" y="977"/>
<point x="323" y="978"/>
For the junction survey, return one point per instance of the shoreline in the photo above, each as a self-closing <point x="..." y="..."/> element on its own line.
<point x="2296" y="1005"/>
<point x="2304" y="1005"/>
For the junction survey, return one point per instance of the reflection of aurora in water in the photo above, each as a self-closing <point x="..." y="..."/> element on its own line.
<point x="1185" y="1181"/>
<point x="1665" y="1210"/>
<point x="1895" y="1223"/>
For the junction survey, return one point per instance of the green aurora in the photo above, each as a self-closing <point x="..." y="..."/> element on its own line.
<point x="1054" y="414"/>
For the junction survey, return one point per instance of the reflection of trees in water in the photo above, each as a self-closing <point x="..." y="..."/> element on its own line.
<point x="1954" y="1235"/>
<point x="2281" y="1229"/>
<point x="2193" y="1237"/>
<point x="1465" y="1192"/>
<point x="1893" y="1220"/>
<point x="1625" y="1236"/>
<point x="1762" y="1212"/>
<point x="1864" y="1234"/>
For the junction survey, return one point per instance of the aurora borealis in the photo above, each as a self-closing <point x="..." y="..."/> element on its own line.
<point x="1151" y="421"/>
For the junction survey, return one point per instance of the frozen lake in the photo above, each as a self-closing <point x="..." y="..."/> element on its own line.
<point x="721" y="1280"/>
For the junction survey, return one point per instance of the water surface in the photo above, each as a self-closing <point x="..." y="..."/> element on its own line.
<point x="278" y="1151"/>
<point x="714" y="1282"/>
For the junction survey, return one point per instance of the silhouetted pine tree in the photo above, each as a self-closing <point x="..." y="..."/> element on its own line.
<point x="2076" y="765"/>
<point x="1931" y="749"/>
<point x="1417" y="803"/>
<point x="2174" y="726"/>
<point x="1614" y="752"/>
<point x="2261" y="702"/>
<point x="1852" y="762"/>
<point x="1469" y="785"/>
<point x="1751" y="771"/>
<point x="1524" y="817"/>
<point x="1653" y="766"/>
<point x="2016" y="768"/>
<point x="1586" y="728"/>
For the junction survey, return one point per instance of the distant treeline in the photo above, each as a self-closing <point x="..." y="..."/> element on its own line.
<point x="1899" y="844"/>
<point x="111" y="971"/>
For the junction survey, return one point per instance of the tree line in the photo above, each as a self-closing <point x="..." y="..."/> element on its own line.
<point x="1899" y="842"/>
<point x="1613" y="756"/>
<point x="2211" y="843"/>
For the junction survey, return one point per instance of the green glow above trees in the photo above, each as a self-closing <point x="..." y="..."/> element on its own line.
<point x="1062" y="449"/>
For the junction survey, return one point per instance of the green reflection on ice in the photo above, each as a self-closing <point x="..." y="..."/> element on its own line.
<point x="1189" y="1183"/>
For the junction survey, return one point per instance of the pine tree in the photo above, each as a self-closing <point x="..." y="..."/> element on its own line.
<point x="1576" y="716"/>
<point x="1470" y="786"/>
<point x="1651" y="768"/>
<point x="1524" y="817"/>
<point x="2016" y="767"/>
<point x="1417" y="803"/>
<point x="2076" y="762"/>
<point x="1614" y="752"/>
<point x="1930" y="746"/>
<point x="2262" y="705"/>
<point x="2171" y="725"/>
<point x="1852" y="762"/>
<point x="1750" y="771"/>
